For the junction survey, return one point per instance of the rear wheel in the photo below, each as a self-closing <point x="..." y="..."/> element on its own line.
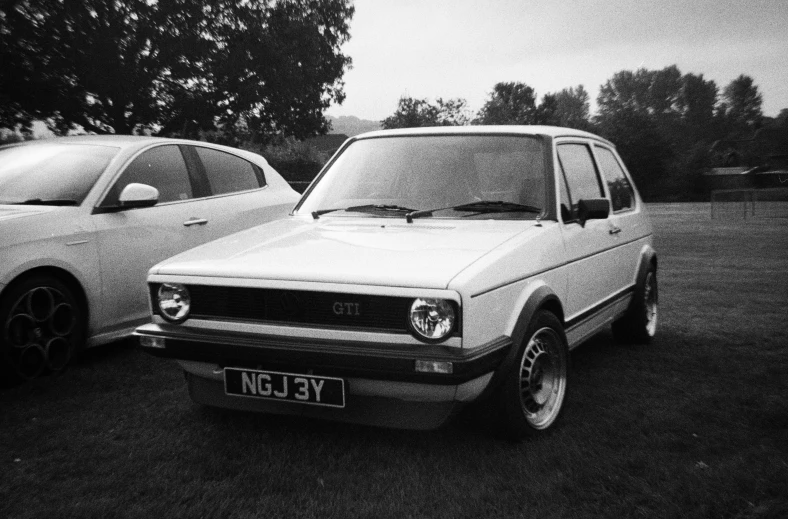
<point x="534" y="390"/>
<point x="639" y="324"/>
<point x="43" y="326"/>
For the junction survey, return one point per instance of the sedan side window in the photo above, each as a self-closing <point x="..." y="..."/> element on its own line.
<point x="581" y="175"/>
<point x="162" y="167"/>
<point x="621" y="192"/>
<point x="227" y="173"/>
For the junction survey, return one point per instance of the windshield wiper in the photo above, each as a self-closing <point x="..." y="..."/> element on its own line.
<point x="497" y="206"/>
<point x="479" y="207"/>
<point x="51" y="201"/>
<point x="369" y="208"/>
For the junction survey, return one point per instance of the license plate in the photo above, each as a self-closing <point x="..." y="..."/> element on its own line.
<point x="290" y="387"/>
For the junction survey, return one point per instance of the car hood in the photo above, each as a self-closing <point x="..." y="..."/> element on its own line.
<point x="373" y="251"/>
<point x="10" y="212"/>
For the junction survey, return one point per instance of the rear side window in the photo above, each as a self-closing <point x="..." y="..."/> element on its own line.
<point x="581" y="175"/>
<point x="162" y="167"/>
<point x="227" y="173"/>
<point x="621" y="193"/>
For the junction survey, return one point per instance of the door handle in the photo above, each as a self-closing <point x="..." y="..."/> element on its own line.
<point x="195" y="221"/>
<point x="614" y="229"/>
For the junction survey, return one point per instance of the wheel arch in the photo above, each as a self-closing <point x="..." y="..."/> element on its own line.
<point x="540" y="298"/>
<point x="648" y="260"/>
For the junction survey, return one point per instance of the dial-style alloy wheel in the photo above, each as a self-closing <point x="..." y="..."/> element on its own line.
<point x="650" y="303"/>
<point x="542" y="378"/>
<point x="41" y="329"/>
<point x="639" y="324"/>
<point x="534" y="392"/>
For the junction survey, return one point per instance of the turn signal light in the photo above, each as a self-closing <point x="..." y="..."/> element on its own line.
<point x="433" y="366"/>
<point x="152" y="342"/>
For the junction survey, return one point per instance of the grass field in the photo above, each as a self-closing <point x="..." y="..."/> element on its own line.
<point x="695" y="425"/>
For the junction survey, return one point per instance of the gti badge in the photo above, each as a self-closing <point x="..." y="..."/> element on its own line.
<point x="346" y="308"/>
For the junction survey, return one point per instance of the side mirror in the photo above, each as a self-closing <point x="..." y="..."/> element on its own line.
<point x="592" y="209"/>
<point x="138" y="195"/>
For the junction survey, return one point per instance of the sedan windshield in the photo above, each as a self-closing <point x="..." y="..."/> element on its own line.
<point x="51" y="173"/>
<point x="447" y="176"/>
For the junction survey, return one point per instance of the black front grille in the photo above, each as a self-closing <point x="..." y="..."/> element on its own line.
<point x="300" y="307"/>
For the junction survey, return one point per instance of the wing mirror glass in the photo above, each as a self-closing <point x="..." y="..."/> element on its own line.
<point x="138" y="195"/>
<point x="592" y="209"/>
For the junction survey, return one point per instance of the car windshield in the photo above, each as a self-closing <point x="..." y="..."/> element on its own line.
<point x="51" y="173"/>
<point x="445" y="176"/>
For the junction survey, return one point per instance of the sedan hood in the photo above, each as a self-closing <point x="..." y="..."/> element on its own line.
<point x="374" y="251"/>
<point x="9" y="212"/>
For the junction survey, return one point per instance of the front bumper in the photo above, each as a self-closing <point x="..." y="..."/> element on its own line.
<point x="383" y="387"/>
<point x="390" y="362"/>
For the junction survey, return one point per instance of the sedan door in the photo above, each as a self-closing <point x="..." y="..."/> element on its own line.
<point x="131" y="241"/>
<point x="239" y="195"/>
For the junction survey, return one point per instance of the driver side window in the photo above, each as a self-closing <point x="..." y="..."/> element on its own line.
<point x="162" y="167"/>
<point x="580" y="173"/>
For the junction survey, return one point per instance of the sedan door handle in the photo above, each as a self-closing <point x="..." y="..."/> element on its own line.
<point x="614" y="229"/>
<point x="195" y="221"/>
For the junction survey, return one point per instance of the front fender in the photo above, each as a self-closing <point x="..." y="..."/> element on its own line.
<point x="536" y="298"/>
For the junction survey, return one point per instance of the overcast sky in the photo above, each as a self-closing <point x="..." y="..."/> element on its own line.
<point x="461" y="48"/>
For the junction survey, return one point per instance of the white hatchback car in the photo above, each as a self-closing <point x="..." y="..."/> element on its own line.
<point x="82" y="219"/>
<point x="423" y="269"/>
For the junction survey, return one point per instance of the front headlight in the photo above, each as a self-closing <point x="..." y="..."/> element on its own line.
<point x="174" y="301"/>
<point x="432" y="319"/>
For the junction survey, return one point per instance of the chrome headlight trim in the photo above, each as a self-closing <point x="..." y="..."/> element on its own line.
<point x="431" y="319"/>
<point x="173" y="301"/>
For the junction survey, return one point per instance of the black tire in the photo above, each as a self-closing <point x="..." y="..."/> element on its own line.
<point x="42" y="327"/>
<point x="639" y="324"/>
<point x="534" y="390"/>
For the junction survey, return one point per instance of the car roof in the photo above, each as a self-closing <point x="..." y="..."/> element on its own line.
<point x="125" y="142"/>
<point x="115" y="141"/>
<point x="549" y="131"/>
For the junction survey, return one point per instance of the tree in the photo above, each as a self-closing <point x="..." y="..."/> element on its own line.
<point x="743" y="104"/>
<point x="572" y="108"/>
<point x="639" y="111"/>
<point x="781" y="121"/>
<point x="547" y="111"/>
<point x="655" y="93"/>
<point x="175" y="66"/>
<point x="509" y="103"/>
<point x="697" y="101"/>
<point x="415" y="113"/>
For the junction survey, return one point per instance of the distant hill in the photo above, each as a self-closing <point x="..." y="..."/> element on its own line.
<point x="351" y="125"/>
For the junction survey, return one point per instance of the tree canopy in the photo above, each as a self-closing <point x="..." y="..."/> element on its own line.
<point x="414" y="113"/>
<point x="509" y="103"/>
<point x="669" y="127"/>
<point x="173" y="66"/>
<point x="742" y="104"/>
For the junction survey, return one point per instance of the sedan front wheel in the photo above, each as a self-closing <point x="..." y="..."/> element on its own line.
<point x="42" y="328"/>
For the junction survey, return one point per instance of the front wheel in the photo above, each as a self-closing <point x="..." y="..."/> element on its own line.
<point x="534" y="390"/>
<point x="42" y="328"/>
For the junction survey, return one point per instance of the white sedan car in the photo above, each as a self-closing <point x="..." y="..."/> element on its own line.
<point x="422" y="270"/>
<point x="82" y="219"/>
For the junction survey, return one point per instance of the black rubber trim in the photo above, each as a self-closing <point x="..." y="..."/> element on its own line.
<point x="327" y="357"/>
<point x="597" y="308"/>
